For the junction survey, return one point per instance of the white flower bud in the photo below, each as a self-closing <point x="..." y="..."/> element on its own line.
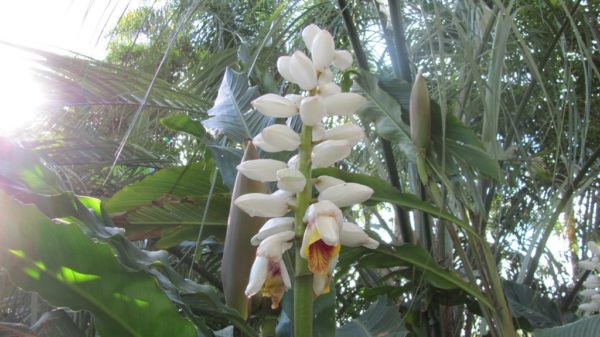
<point x="264" y="205"/>
<point x="290" y="180"/>
<point x="261" y="169"/>
<point x="353" y="236"/>
<point x="325" y="182"/>
<point x="294" y="162"/>
<point x="589" y="307"/>
<point x="329" y="89"/>
<point x="267" y="147"/>
<point x="309" y="33"/>
<point x="281" y="136"/>
<point x="343" y="104"/>
<point x="325" y="77"/>
<point x="271" y="227"/>
<point x="330" y="151"/>
<point x="312" y="110"/>
<point x="596" y="298"/>
<point x="294" y="98"/>
<point x="318" y="132"/>
<point x="342" y="59"/>
<point x="275" y="106"/>
<point x="589" y="265"/>
<point x="588" y="292"/>
<point x="322" y="50"/>
<point x="303" y="72"/>
<point x="350" y="132"/>
<point x="283" y="67"/>
<point x="592" y="281"/>
<point x="347" y="194"/>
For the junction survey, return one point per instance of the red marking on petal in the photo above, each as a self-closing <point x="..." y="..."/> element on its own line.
<point x="319" y="256"/>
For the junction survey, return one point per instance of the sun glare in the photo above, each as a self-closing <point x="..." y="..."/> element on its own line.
<point x="21" y="95"/>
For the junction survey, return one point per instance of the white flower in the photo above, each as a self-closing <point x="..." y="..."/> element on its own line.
<point x="283" y="67"/>
<point x="330" y="151"/>
<point x="592" y="281"/>
<point x="343" y="104"/>
<point x="318" y="132"/>
<point x="353" y="236"/>
<point x="590" y="307"/>
<point x="267" y="147"/>
<point x="312" y="110"/>
<point x="294" y="98"/>
<point x="261" y="169"/>
<point x="302" y="70"/>
<point x="309" y="33"/>
<point x="325" y="77"/>
<point x="294" y="162"/>
<point x="322" y="50"/>
<point x="290" y="180"/>
<point x="321" y="280"/>
<point x="342" y="59"/>
<point x="329" y="89"/>
<point x="325" y="182"/>
<point x="268" y="273"/>
<point x="350" y="132"/>
<point x="589" y="265"/>
<point x="596" y="298"/>
<point x="347" y="194"/>
<point x="281" y="137"/>
<point x="275" y="106"/>
<point x="271" y="227"/>
<point x="264" y="205"/>
<point x="588" y="292"/>
<point x="321" y="241"/>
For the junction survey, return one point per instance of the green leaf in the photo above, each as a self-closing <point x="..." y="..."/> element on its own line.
<point x="67" y="268"/>
<point x="324" y="312"/>
<point x="232" y="114"/>
<point x="184" y="123"/>
<point x="384" y="192"/>
<point x="171" y="202"/>
<point x="531" y="308"/>
<point x="381" y="319"/>
<point x="585" y="327"/>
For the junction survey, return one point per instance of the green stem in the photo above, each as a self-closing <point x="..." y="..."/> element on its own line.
<point x="303" y="296"/>
<point x="268" y="326"/>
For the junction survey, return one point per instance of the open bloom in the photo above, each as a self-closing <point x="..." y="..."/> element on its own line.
<point x="268" y="274"/>
<point x="321" y="242"/>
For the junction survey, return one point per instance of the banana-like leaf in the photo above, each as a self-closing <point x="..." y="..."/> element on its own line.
<point x="68" y="268"/>
<point x="381" y="319"/>
<point x="171" y="202"/>
<point x="530" y="308"/>
<point x="185" y="124"/>
<point x="238" y="254"/>
<point x="585" y="327"/>
<point x="232" y="114"/>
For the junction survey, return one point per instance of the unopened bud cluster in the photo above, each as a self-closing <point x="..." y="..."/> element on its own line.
<point x="326" y="229"/>
<point x="590" y="293"/>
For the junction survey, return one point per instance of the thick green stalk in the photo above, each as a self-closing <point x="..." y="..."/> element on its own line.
<point x="303" y="295"/>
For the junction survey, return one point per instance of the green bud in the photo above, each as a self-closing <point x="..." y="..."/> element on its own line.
<point x="238" y="254"/>
<point x="420" y="114"/>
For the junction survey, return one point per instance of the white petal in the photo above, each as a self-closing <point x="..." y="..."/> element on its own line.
<point x="258" y="276"/>
<point x="353" y="236"/>
<point x="596" y="298"/>
<point x="320" y="208"/>
<point x="343" y="104"/>
<point x="593" y="246"/>
<point x="275" y="106"/>
<point x="261" y="169"/>
<point x="342" y="59"/>
<point x="329" y="228"/>
<point x="322" y="50"/>
<point x="325" y="77"/>
<point x="320" y="283"/>
<point x="309" y="33"/>
<point x="350" y="132"/>
<point x="263" y="205"/>
<point x="290" y="180"/>
<point x="329" y="89"/>
<point x="589" y="265"/>
<point x="294" y="98"/>
<point x="283" y="67"/>
<point x="294" y="162"/>
<point x="281" y="136"/>
<point x="312" y="110"/>
<point x="303" y="71"/>
<point x="318" y="132"/>
<point x="588" y="292"/>
<point x="271" y="227"/>
<point x="275" y="245"/>
<point x="285" y="276"/>
<point x="325" y="182"/>
<point x="590" y="307"/>
<point x="347" y="194"/>
<point x="330" y="151"/>
<point x="267" y="147"/>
